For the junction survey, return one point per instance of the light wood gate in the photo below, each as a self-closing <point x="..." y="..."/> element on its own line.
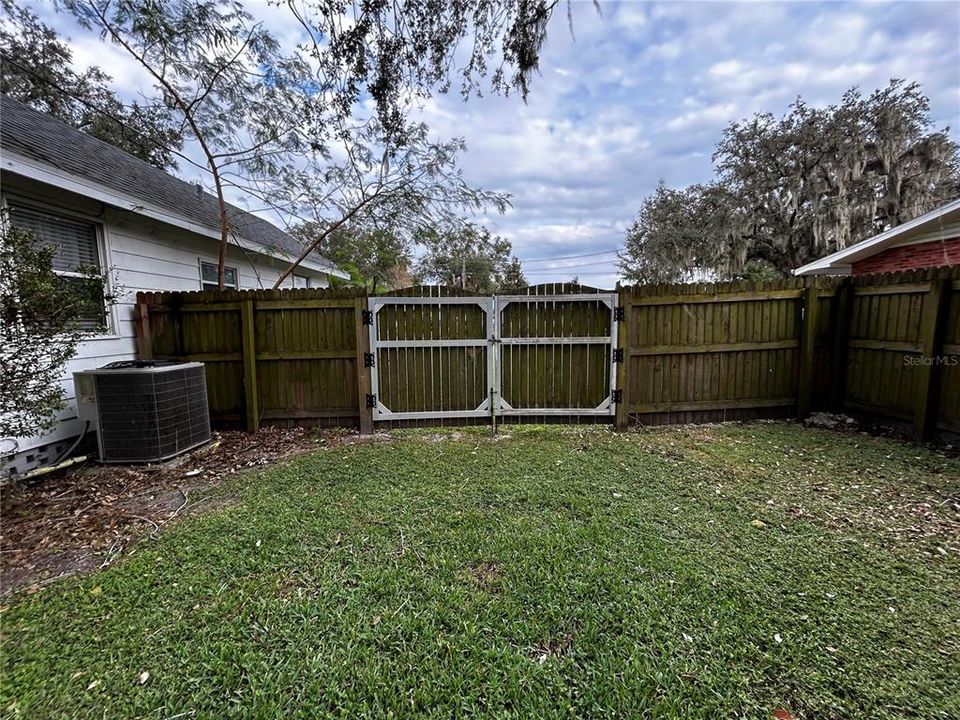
<point x="461" y="357"/>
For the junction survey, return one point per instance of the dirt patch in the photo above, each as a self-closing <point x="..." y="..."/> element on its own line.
<point x="84" y="518"/>
<point x="442" y="437"/>
<point x="486" y="575"/>
<point x="552" y="648"/>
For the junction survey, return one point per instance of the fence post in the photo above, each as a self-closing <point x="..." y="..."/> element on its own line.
<point x="808" y="338"/>
<point x="141" y="318"/>
<point x="842" y="314"/>
<point x="251" y="395"/>
<point x="932" y="328"/>
<point x="623" y="377"/>
<point x="363" y="372"/>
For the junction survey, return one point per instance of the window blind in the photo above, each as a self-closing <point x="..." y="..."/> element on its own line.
<point x="76" y="248"/>
<point x="75" y="240"/>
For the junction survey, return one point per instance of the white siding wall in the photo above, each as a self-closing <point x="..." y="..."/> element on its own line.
<point x="141" y="255"/>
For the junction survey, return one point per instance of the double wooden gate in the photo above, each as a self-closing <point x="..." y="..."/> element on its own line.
<point x="459" y="357"/>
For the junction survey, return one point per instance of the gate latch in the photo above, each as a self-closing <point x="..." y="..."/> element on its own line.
<point x="617" y="396"/>
<point x="371" y="400"/>
<point x="367" y="317"/>
<point x="619" y="313"/>
<point x="618" y="355"/>
<point x="368" y="359"/>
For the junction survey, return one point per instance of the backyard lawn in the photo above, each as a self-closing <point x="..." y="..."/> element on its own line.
<point x="764" y="570"/>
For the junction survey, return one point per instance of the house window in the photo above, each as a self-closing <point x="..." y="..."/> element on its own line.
<point x="77" y="255"/>
<point x="301" y="281"/>
<point x="208" y="277"/>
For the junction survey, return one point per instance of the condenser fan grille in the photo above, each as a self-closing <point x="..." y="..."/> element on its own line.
<point x="149" y="416"/>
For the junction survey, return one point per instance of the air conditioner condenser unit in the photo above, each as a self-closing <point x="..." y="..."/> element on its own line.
<point x="144" y="411"/>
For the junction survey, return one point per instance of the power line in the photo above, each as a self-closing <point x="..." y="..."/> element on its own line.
<point x="568" y="257"/>
<point x="580" y="265"/>
<point x="612" y="272"/>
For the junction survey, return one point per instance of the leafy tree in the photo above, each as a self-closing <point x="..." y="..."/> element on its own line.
<point x="377" y="259"/>
<point x="36" y="69"/>
<point x="467" y="257"/>
<point x="793" y="189"/>
<point x="678" y="234"/>
<point x="513" y="280"/>
<point x="265" y="117"/>
<point x="244" y="101"/>
<point x="43" y="318"/>
<point x="411" y="187"/>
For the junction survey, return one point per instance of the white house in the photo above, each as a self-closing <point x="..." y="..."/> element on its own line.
<point x="145" y="228"/>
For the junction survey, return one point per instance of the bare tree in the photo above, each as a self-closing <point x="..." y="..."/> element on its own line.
<point x="264" y="116"/>
<point x="408" y="186"/>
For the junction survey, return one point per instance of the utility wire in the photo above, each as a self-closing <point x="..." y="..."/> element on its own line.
<point x="579" y="265"/>
<point x="612" y="272"/>
<point x="568" y="257"/>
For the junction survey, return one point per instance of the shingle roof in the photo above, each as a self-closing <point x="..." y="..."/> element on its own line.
<point x="44" y="138"/>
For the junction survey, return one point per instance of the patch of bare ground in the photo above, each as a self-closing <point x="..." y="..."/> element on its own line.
<point x="552" y="648"/>
<point x="486" y="575"/>
<point x="84" y="518"/>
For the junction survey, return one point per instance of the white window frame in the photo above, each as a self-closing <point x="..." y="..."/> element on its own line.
<point x="216" y="265"/>
<point x="110" y="319"/>
<point x="306" y="281"/>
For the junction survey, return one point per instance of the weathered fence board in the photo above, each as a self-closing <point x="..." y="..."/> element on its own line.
<point x="886" y="346"/>
<point x="271" y="355"/>
<point x="694" y="351"/>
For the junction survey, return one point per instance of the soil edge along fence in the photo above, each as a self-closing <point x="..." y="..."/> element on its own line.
<point x="884" y="347"/>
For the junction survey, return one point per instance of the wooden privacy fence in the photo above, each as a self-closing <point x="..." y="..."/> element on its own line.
<point x="883" y="346"/>
<point x="271" y="355"/>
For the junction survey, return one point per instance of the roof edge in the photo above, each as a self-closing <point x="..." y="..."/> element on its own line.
<point x="831" y="263"/>
<point x="51" y="175"/>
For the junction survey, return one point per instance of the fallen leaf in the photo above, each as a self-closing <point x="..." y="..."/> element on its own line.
<point x="781" y="714"/>
<point x="142" y="679"/>
<point x="97" y="591"/>
<point x="758" y="524"/>
<point x="92" y="685"/>
<point x="777" y="638"/>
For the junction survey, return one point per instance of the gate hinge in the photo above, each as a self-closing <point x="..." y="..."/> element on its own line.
<point x="618" y="396"/>
<point x="367" y="316"/>
<point x="371" y="400"/>
<point x="368" y="360"/>
<point x="618" y="355"/>
<point x="619" y="313"/>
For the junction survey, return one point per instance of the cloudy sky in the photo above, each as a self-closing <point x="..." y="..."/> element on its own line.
<point x="641" y="92"/>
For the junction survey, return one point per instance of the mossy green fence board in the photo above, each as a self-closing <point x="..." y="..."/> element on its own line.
<point x="301" y="363"/>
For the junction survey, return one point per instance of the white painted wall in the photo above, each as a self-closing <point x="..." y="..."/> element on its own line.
<point x="140" y="254"/>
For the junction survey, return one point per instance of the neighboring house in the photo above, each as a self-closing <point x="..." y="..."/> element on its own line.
<point x="931" y="240"/>
<point x="145" y="229"/>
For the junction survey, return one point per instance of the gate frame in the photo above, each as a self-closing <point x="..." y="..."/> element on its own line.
<point x="607" y="406"/>
<point x="492" y="306"/>
<point x="487" y="304"/>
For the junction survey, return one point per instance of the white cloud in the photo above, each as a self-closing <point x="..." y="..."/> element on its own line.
<point x="641" y="92"/>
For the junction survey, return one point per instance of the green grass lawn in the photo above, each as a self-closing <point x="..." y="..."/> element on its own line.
<point x="728" y="571"/>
